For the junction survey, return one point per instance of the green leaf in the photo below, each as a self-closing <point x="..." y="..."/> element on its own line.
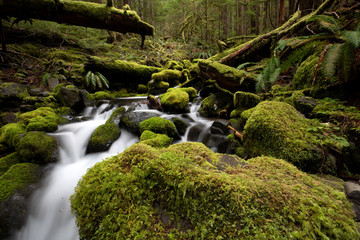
<point x="352" y="37"/>
<point x="332" y="56"/>
<point x="103" y="79"/>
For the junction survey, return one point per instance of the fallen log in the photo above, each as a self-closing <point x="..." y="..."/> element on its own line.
<point x="259" y="47"/>
<point x="121" y="73"/>
<point x="78" y="13"/>
<point x="227" y="77"/>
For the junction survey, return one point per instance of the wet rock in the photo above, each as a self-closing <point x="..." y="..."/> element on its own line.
<point x="74" y="98"/>
<point x="352" y="190"/>
<point x="11" y="94"/>
<point x="216" y="105"/>
<point x="116" y="116"/>
<point x="131" y="120"/>
<point x="38" y="92"/>
<point x="7" y="117"/>
<point x="180" y="124"/>
<point x="103" y="137"/>
<point x="220" y="127"/>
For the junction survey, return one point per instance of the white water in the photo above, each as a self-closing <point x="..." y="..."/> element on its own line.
<point x="50" y="213"/>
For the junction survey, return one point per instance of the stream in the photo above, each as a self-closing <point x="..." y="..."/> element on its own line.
<point x="50" y="216"/>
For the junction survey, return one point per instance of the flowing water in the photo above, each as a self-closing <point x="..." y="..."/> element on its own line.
<point x="50" y="216"/>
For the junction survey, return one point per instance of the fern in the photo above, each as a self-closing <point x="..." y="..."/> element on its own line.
<point x="96" y="80"/>
<point x="329" y="23"/>
<point x="332" y="57"/>
<point x="244" y="65"/>
<point x="352" y="37"/>
<point x="346" y="62"/>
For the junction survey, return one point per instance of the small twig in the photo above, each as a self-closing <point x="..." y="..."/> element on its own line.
<point x="308" y="28"/>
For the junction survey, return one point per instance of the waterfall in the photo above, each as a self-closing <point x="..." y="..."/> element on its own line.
<point x="50" y="216"/>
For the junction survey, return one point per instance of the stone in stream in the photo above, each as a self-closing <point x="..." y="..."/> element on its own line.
<point x="353" y="193"/>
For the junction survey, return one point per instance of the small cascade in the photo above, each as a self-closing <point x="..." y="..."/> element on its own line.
<point x="50" y="215"/>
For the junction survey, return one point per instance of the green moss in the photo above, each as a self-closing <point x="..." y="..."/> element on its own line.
<point x="174" y="100"/>
<point x="177" y="193"/>
<point x="158" y="85"/>
<point x="103" y="137"/>
<point x="142" y="88"/>
<point x="68" y="55"/>
<point x="38" y="147"/>
<point x="42" y="119"/>
<point x="8" y="161"/>
<point x="181" y="125"/>
<point x="277" y="129"/>
<point x="17" y="178"/>
<point x="116" y="115"/>
<point x="173" y="77"/>
<point x="158" y="125"/>
<point x="174" y="65"/>
<point x="191" y="91"/>
<point x="245" y="100"/>
<point x="14" y="90"/>
<point x="102" y="95"/>
<point x="155" y="140"/>
<point x="10" y="134"/>
<point x="216" y="105"/>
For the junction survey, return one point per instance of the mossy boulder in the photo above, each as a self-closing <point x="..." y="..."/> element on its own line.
<point x="173" y="77"/>
<point x="103" y="137"/>
<point x="42" y="119"/>
<point x="245" y="100"/>
<point x="276" y="129"/>
<point x="38" y="147"/>
<point x="174" y="65"/>
<point x="155" y="140"/>
<point x="179" y="193"/>
<point x="102" y="95"/>
<point x="73" y="97"/>
<point x="131" y="120"/>
<point x="115" y="116"/>
<point x="8" y="161"/>
<point x="159" y="125"/>
<point x="11" y="94"/>
<point x="175" y="100"/>
<point x="216" y="105"/>
<point x="16" y="185"/>
<point x="11" y="134"/>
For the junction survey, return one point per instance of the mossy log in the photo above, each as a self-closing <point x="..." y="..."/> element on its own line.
<point x="122" y="73"/>
<point x="78" y="13"/>
<point x="227" y="77"/>
<point x="259" y="46"/>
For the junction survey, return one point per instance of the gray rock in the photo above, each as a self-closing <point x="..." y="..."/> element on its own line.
<point x="11" y="94"/>
<point x="352" y="191"/>
<point x="74" y="98"/>
<point x="38" y="92"/>
<point x="52" y="82"/>
<point x="131" y="120"/>
<point x="220" y="127"/>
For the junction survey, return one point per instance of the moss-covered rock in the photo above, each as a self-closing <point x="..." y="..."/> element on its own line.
<point x="276" y="129"/>
<point x="103" y="137"/>
<point x="38" y="147"/>
<point x="73" y="97"/>
<point x="11" y="134"/>
<point x="175" y="100"/>
<point x="18" y="177"/>
<point x="245" y="100"/>
<point x="155" y="140"/>
<point x="174" y="65"/>
<point x="173" y="77"/>
<point x="159" y="125"/>
<point x="216" y="105"/>
<point x="102" y="95"/>
<point x="179" y="193"/>
<point x="8" y="161"/>
<point x="158" y="85"/>
<point x="180" y="124"/>
<point x="115" y="116"/>
<point x="131" y="120"/>
<point x="42" y="119"/>
<point x="11" y="94"/>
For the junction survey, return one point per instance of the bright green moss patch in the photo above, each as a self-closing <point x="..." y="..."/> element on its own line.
<point x="102" y="95"/>
<point x="17" y="178"/>
<point x="38" y="147"/>
<point x="116" y="115"/>
<point x="177" y="193"/>
<point x="245" y="100"/>
<point x="158" y="125"/>
<point x="42" y="119"/>
<point x="103" y="137"/>
<point x="8" y="161"/>
<point x="277" y="129"/>
<point x="171" y="76"/>
<point x="10" y="134"/>
<point x="155" y="140"/>
<point x="175" y="100"/>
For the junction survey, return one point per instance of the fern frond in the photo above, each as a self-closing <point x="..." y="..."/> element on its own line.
<point x="103" y="79"/>
<point x="244" y="65"/>
<point x="330" y="23"/>
<point x="98" y="81"/>
<point x="346" y="62"/>
<point x="332" y="57"/>
<point x="87" y="78"/>
<point x="260" y="85"/>
<point x="352" y="37"/>
<point x="298" y="55"/>
<point x="93" y="80"/>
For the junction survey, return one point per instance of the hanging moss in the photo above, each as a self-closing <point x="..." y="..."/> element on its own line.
<point x="180" y="193"/>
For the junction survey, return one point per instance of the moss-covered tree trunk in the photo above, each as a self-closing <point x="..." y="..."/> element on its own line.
<point x="259" y="47"/>
<point x="78" y="13"/>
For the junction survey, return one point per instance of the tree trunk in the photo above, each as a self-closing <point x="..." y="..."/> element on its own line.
<point x="227" y="77"/>
<point x="2" y="37"/>
<point x="282" y="11"/>
<point x="261" y="45"/>
<point x="78" y="13"/>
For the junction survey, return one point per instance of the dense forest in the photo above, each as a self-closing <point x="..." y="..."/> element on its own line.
<point x="179" y="119"/>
